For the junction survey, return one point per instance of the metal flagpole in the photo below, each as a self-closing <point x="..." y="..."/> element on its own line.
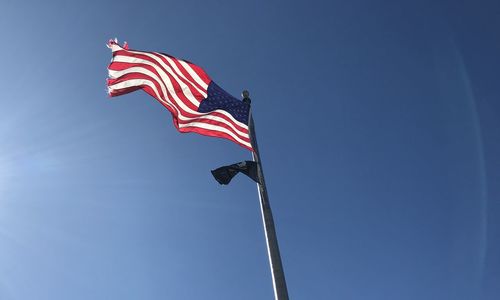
<point x="273" y="251"/>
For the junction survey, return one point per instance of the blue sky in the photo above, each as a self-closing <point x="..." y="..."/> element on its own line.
<point x="378" y="125"/>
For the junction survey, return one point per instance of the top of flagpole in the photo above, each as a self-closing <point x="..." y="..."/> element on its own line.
<point x="246" y="97"/>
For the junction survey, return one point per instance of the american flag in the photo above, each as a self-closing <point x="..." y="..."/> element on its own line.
<point x="196" y="102"/>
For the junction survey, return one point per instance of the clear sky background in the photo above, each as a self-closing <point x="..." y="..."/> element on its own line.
<point x="379" y="129"/>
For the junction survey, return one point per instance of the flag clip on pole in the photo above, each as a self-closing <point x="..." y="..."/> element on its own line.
<point x="278" y="275"/>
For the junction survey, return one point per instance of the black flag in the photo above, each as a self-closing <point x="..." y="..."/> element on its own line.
<point x="224" y="174"/>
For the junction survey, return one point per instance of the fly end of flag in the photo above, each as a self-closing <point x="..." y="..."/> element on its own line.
<point x="108" y="89"/>
<point x="111" y="42"/>
<point x="114" y="45"/>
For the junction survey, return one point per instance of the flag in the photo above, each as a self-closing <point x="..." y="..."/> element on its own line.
<point x="197" y="104"/>
<point x="224" y="174"/>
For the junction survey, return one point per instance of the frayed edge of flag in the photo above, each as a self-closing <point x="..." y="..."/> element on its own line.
<point x="114" y="46"/>
<point x="108" y="88"/>
<point x="114" y="42"/>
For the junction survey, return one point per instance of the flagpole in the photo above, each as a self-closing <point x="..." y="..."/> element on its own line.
<point x="273" y="251"/>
